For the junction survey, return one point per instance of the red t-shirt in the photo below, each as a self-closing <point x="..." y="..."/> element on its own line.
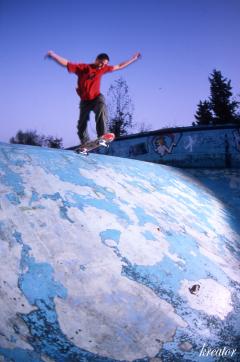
<point x="89" y="78"/>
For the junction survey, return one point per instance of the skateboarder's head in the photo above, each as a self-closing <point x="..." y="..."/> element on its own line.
<point x="102" y="60"/>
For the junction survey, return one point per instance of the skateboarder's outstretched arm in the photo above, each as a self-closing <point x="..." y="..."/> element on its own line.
<point x="127" y="62"/>
<point x="61" y="61"/>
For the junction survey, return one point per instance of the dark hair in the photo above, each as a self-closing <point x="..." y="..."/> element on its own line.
<point x="103" y="56"/>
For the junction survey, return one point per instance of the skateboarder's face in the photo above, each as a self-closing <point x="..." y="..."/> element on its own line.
<point x="100" y="63"/>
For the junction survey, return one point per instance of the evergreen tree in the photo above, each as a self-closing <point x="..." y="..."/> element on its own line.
<point x="203" y="114"/>
<point x="220" y="108"/>
<point x="120" y="108"/>
<point x="224" y="108"/>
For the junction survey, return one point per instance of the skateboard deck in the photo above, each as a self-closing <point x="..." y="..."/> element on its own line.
<point x="92" y="145"/>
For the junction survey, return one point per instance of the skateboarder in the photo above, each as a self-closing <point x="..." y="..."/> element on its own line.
<point x="88" y="89"/>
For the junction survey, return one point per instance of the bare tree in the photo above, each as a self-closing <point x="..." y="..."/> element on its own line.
<point x="31" y="137"/>
<point x="144" y="127"/>
<point x="120" y="108"/>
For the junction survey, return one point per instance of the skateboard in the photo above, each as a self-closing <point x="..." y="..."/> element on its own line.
<point x="92" y="145"/>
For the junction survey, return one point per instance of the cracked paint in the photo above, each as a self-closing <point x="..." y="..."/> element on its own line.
<point x="98" y="255"/>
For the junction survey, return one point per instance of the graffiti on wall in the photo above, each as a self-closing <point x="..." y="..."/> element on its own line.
<point x="164" y="144"/>
<point x="138" y="149"/>
<point x="189" y="142"/>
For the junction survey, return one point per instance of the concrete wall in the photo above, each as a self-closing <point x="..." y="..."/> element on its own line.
<point x="194" y="147"/>
<point x="106" y="259"/>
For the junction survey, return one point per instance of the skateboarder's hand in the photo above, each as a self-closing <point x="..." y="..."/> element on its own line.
<point x="136" y="56"/>
<point x="49" y="54"/>
<point x="57" y="58"/>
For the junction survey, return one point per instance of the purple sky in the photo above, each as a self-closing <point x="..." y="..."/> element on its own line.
<point x="181" y="42"/>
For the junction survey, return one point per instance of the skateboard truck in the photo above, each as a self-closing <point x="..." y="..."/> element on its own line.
<point x="83" y="151"/>
<point x="103" y="143"/>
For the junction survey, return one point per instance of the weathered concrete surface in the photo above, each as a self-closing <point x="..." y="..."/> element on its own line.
<point x="99" y="257"/>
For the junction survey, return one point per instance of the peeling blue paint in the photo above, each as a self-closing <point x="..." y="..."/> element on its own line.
<point x="37" y="284"/>
<point x="13" y="180"/>
<point x="20" y="355"/>
<point x="35" y="197"/>
<point x="13" y="198"/>
<point x="144" y="218"/>
<point x="40" y="289"/>
<point x="18" y="237"/>
<point x="148" y="235"/>
<point x="110" y="234"/>
<point x="125" y="203"/>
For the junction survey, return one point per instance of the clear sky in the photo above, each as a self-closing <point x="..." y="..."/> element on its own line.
<point x="181" y="42"/>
